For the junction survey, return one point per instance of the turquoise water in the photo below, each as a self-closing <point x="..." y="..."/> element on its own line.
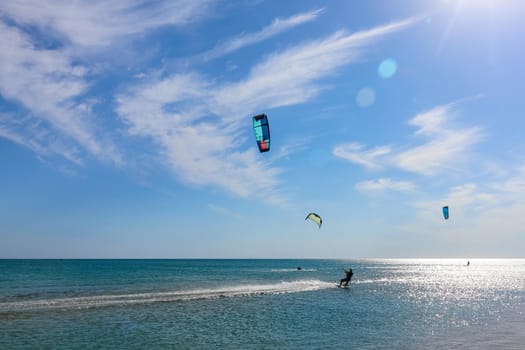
<point x="261" y="304"/>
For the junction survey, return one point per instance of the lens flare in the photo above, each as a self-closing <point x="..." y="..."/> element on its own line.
<point x="387" y="68"/>
<point x="365" y="97"/>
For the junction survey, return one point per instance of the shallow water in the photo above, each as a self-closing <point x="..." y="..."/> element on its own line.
<point x="262" y="304"/>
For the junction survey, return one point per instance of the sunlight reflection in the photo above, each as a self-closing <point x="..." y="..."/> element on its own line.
<point x="455" y="294"/>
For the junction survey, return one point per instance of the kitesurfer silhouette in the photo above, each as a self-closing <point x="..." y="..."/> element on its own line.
<point x="347" y="279"/>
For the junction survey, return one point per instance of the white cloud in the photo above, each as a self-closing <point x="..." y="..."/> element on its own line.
<point x="292" y="147"/>
<point x="440" y="154"/>
<point x="47" y="83"/>
<point x="354" y="152"/>
<point x="41" y="142"/>
<point x="296" y="72"/>
<point x="201" y="148"/>
<point x="432" y="122"/>
<point x="467" y="197"/>
<point x="488" y="212"/>
<point x="278" y="26"/>
<point x="91" y="23"/>
<point x="50" y="83"/>
<point x="514" y="188"/>
<point x="447" y="146"/>
<point x="197" y="123"/>
<point x="380" y="185"/>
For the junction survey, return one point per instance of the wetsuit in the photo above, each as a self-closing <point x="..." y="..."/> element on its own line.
<point x="347" y="279"/>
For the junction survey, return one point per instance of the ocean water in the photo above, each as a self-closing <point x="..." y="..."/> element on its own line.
<point x="262" y="304"/>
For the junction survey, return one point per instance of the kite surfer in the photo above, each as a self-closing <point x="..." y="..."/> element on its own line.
<point x="347" y="279"/>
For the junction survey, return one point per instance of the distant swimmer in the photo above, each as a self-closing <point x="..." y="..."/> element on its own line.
<point x="347" y="279"/>
<point x="298" y="267"/>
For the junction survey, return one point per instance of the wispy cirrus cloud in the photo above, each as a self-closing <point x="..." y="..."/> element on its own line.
<point x="100" y="22"/>
<point x="447" y="145"/>
<point x="175" y="112"/>
<point x="47" y="84"/>
<point x="189" y="110"/>
<point x="445" y="140"/>
<point x="41" y="141"/>
<point x="356" y="153"/>
<point x="297" y="70"/>
<point x="201" y="148"/>
<point x="276" y="27"/>
<point x="44" y="77"/>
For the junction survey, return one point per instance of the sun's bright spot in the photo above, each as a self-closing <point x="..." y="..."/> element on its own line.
<point x="486" y="6"/>
<point x="480" y="19"/>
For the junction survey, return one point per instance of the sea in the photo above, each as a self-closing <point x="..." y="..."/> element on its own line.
<point x="262" y="304"/>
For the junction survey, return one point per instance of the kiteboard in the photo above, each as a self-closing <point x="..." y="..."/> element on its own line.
<point x="343" y="287"/>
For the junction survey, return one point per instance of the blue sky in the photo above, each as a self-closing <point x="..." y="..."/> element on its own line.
<point x="125" y="128"/>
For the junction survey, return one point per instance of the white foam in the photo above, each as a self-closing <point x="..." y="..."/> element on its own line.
<point x="170" y="296"/>
<point x="293" y="270"/>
